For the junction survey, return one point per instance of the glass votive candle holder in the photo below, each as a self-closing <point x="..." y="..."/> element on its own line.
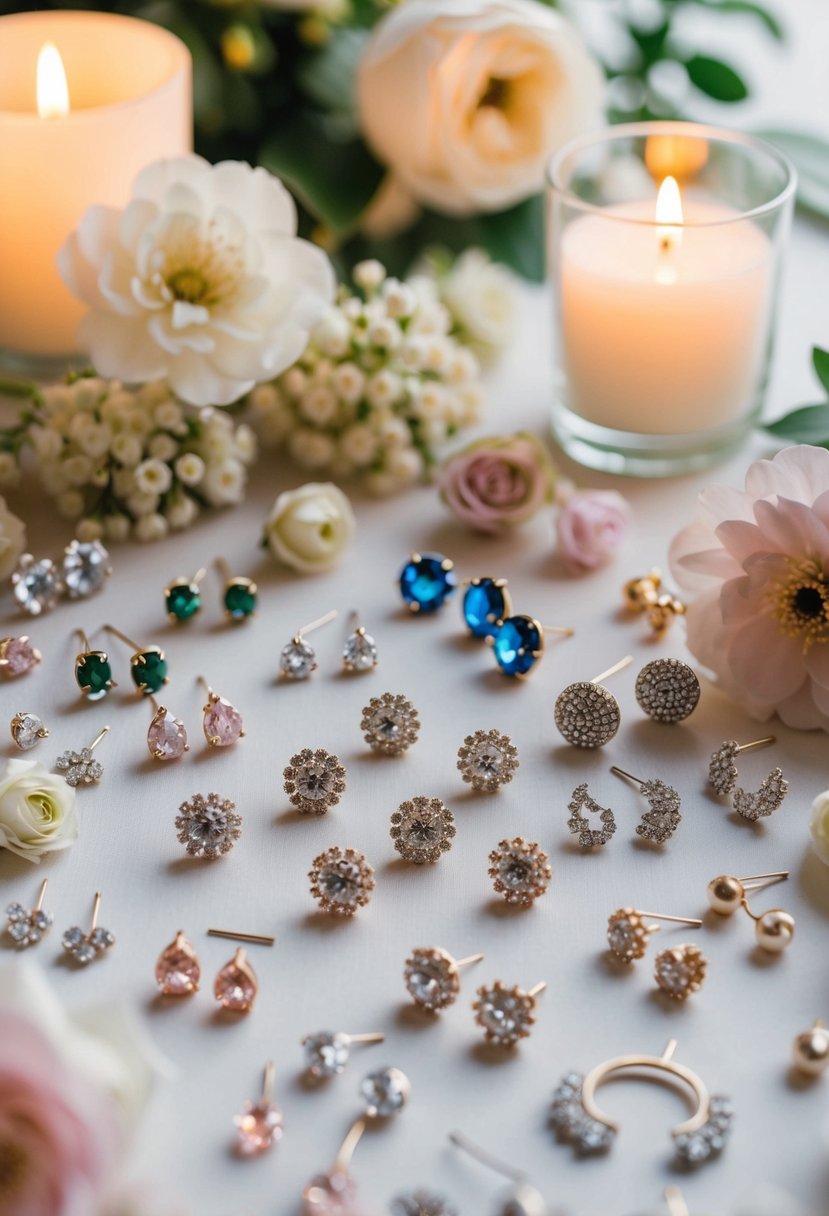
<point x="665" y="244"/>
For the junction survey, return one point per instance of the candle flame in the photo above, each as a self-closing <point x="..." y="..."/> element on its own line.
<point x="669" y="220"/>
<point x="52" y="89"/>
<point x="669" y="203"/>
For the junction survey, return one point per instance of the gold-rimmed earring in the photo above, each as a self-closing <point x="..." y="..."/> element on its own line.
<point x="774" y="929"/>
<point x="208" y="825"/>
<point x="314" y="781"/>
<point x="422" y="829"/>
<point x="221" y="721"/>
<point x="390" y="724"/>
<point x="239" y="595"/>
<point x="26" y="926"/>
<point x="177" y="969"/>
<point x="523" y="1199"/>
<point x="166" y="734"/>
<point x="298" y="660"/>
<point x="359" y="648"/>
<point x="680" y="971"/>
<point x="18" y="657"/>
<point x="810" y="1050"/>
<point x="646" y="595"/>
<point x="722" y="777"/>
<point x="342" y="881"/>
<point x="236" y="985"/>
<point x="486" y="602"/>
<point x="27" y="730"/>
<point x="628" y="934"/>
<point x="84" y="947"/>
<point x="506" y="1015"/>
<point x="93" y="671"/>
<point x="487" y="760"/>
<point x="327" y="1053"/>
<point x="520" y="871"/>
<point x="182" y="597"/>
<point x="80" y="767"/>
<point x="148" y="664"/>
<point x="432" y="977"/>
<point x="519" y="642"/>
<point x="663" y="817"/>
<point x="260" y="1125"/>
<point x="586" y="714"/>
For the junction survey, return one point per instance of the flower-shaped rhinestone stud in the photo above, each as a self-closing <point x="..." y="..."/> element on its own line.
<point x="506" y="1014"/>
<point x="422" y="828"/>
<point x="314" y="781"/>
<point x="26" y="926"/>
<point x="520" y="871"/>
<point x="680" y="971"/>
<point x="208" y="826"/>
<point x="487" y="760"/>
<point x="432" y="977"/>
<point x="341" y="881"/>
<point x="390" y="724"/>
<point x="80" y="767"/>
<point x="84" y="947"/>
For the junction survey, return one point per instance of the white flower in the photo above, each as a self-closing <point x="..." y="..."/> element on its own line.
<point x="384" y="333"/>
<point x="318" y="404"/>
<point x="169" y="416"/>
<point x="140" y="504"/>
<point x="116" y="527"/>
<point x="819" y="826"/>
<point x="189" y="469"/>
<point x="358" y="444"/>
<point x="399" y="299"/>
<point x="151" y="527"/>
<point x="310" y="528"/>
<point x="181" y="512"/>
<point x="311" y="448"/>
<point x="466" y="100"/>
<point x="480" y="294"/>
<point x="126" y="449"/>
<point x="333" y="334"/>
<point x="405" y="465"/>
<point x="162" y="447"/>
<point x="245" y="443"/>
<point x="153" y="477"/>
<point x="294" y="382"/>
<point x="9" y="472"/>
<point x="348" y="382"/>
<point x="89" y="529"/>
<point x="383" y="388"/>
<point x="369" y="274"/>
<point x="70" y="504"/>
<point x="265" y="397"/>
<point x="12" y="540"/>
<point x="46" y="442"/>
<point x="77" y="470"/>
<point x="123" y="482"/>
<point x="201" y="278"/>
<point x="37" y="810"/>
<point x="224" y="483"/>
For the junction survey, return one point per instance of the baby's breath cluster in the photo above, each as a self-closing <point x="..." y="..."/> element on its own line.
<point x="380" y="388"/>
<point x="134" y="462"/>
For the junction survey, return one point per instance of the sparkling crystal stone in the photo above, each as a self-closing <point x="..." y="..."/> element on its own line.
<point x="594" y="1137"/>
<point x="425" y="584"/>
<point x="259" y="1127"/>
<point x="331" y="1194"/>
<point x="587" y="715"/>
<point x="18" y="656"/>
<point x="297" y="660"/>
<point x="426" y="1203"/>
<point x="150" y="671"/>
<point x="93" y="674"/>
<point x="85" y="568"/>
<point x="384" y="1092"/>
<point x="72" y="938"/>
<point x="514" y="644"/>
<point x="101" y="939"/>
<point x="484" y="604"/>
<point x="360" y="652"/>
<point x="501" y="1013"/>
<point x="240" y="599"/>
<point x="85" y="953"/>
<point x="667" y="690"/>
<point x="234" y="988"/>
<point x="674" y="975"/>
<point x="326" y="1054"/>
<point x="222" y="723"/>
<point x="26" y="730"/>
<point x="36" y="584"/>
<point x="341" y="882"/>
<point x="621" y="938"/>
<point x="431" y="980"/>
<point x="166" y="737"/>
<point x="177" y="971"/>
<point x="16" y="912"/>
<point x="182" y="600"/>
<point x="18" y="931"/>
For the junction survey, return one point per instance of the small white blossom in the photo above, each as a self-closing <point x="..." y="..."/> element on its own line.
<point x="9" y="472"/>
<point x="189" y="469"/>
<point x="399" y="299"/>
<point x="224" y="483"/>
<point x="245" y="443"/>
<point x="333" y="334"/>
<point x="46" y="442"/>
<point x="312" y="449"/>
<point x="123" y="482"/>
<point x="385" y="333"/>
<point x="116" y="527"/>
<point x="383" y="388"/>
<point x="169" y="416"/>
<point x="89" y="529"/>
<point x="127" y="449"/>
<point x="318" y="404"/>
<point x="348" y="382"/>
<point x="181" y="512"/>
<point x="140" y="504"/>
<point x="294" y="382"/>
<point x="369" y="274"/>
<point x="151" y="527"/>
<point x="153" y="477"/>
<point x="358" y="444"/>
<point x="265" y="397"/>
<point x="162" y="447"/>
<point x="77" y="469"/>
<point x="405" y="465"/>
<point x="70" y="504"/>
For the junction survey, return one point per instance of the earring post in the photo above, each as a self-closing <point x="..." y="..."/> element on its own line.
<point x="352" y="1139"/>
<point x="83" y="638"/>
<point x="374" y="1037"/>
<point x="260" y="939"/>
<point x="766" y="880"/>
<point x="96" y="906"/>
<point x="563" y="631"/>
<point x="208" y="691"/>
<point x="317" y="624"/>
<point x="676" y="1202"/>
<point x="670" y="1049"/>
<point x="538" y="989"/>
<point x="99" y="737"/>
<point x="747" y="747"/>
<point x="41" y="895"/>
<point x="128" y="641"/>
<point x="620" y="772"/>
<point x="493" y="1163"/>
<point x="611" y="671"/>
<point x="223" y="568"/>
<point x="679" y="920"/>
<point x="267" y="1082"/>
<point x="467" y="962"/>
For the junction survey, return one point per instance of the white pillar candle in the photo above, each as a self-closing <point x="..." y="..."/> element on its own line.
<point x="130" y="102"/>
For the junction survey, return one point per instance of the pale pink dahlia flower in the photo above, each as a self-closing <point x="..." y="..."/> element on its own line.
<point x="756" y="565"/>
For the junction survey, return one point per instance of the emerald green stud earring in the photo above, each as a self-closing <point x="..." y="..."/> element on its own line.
<point x="148" y="665"/>
<point x="239" y="595"/>
<point x="182" y="598"/>
<point x="93" y="673"/>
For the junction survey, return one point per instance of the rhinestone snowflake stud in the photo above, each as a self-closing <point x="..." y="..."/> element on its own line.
<point x="586" y="714"/>
<point x="628" y="934"/>
<point x="667" y="690"/>
<point x="27" y="730"/>
<point x="81" y="768"/>
<point x="663" y="817"/>
<point x="260" y="1125"/>
<point x="327" y="1052"/>
<point x="27" y="926"/>
<point x="432" y="977"/>
<point x="506" y="1014"/>
<point x="390" y="724"/>
<point x="422" y="828"/>
<point x="86" y="568"/>
<point x="680" y="971"/>
<point x="487" y="760"/>
<point x="17" y="657"/>
<point x="84" y="947"/>
<point x="722" y="777"/>
<point x="298" y="660"/>
<point x="579" y="824"/>
<point x="422" y="1203"/>
<point x="36" y="584"/>
<point x="341" y="881"/>
<point x="208" y="826"/>
<point x="314" y="781"/>
<point x="359" y="650"/>
<point x="384" y="1093"/>
<point x="520" y="871"/>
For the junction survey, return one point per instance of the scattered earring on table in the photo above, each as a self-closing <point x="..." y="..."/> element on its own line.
<point x="722" y="777"/>
<point x="239" y="595"/>
<point x="627" y="933"/>
<point x="148" y="664"/>
<point x="423" y="1203"/>
<point x="236" y="985"/>
<point x="579" y="824"/>
<point x="359" y="648"/>
<point x="432" y="977"/>
<point x="390" y="724"/>
<point x="208" y="826"/>
<point x="166" y="734"/>
<point x="341" y="881"/>
<point x="18" y="657"/>
<point x="182" y="597"/>
<point x="85" y="568"/>
<point x="38" y="584"/>
<point x="221" y="721"/>
<point x="422" y="829"/>
<point x="84" y="947"/>
<point x="518" y="643"/>
<point x="93" y="671"/>
<point x="774" y="929"/>
<point x="586" y="714"/>
<point x="314" y="781"/>
<point x="644" y="595"/>
<point x="427" y="581"/>
<point x="520" y="871"/>
<point x="177" y="969"/>
<point x="79" y="767"/>
<point x="667" y="690"/>
<point x="298" y="660"/>
<point x="327" y="1053"/>
<point x="260" y="1125"/>
<point x="487" y="760"/>
<point x="506" y="1014"/>
<point x="523" y="1199"/>
<point x="663" y="817"/>
<point x="680" y="971"/>
<point x="810" y="1050"/>
<point x="26" y="926"/>
<point x="486" y="602"/>
<point x="27" y="730"/>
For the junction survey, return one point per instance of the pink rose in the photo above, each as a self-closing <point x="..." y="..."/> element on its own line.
<point x="57" y="1138"/>
<point x="496" y="483"/>
<point x="591" y="526"/>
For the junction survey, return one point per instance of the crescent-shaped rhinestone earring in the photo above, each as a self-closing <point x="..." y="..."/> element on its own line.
<point x="663" y="817"/>
<point x="586" y="714"/>
<point x="722" y="777"/>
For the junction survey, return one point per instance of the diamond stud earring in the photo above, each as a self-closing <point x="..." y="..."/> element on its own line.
<point x="520" y="871"/>
<point x="182" y="597"/>
<point x="586" y="714"/>
<point x="93" y="671"/>
<point x="148" y="664"/>
<point x="86" y="568"/>
<point x="523" y="1199"/>
<point x="208" y="826"/>
<point x="27" y="926"/>
<point x="27" y="730"/>
<point x="390" y="724"/>
<point x="432" y="977"/>
<point x="221" y="722"/>
<point x="36" y="584"/>
<point x="79" y="767"/>
<point x="422" y="829"/>
<point x="628" y="934"/>
<point x="260" y="1125"/>
<point x="506" y="1015"/>
<point x="663" y="817"/>
<point x="579" y="824"/>
<point x="17" y="657"/>
<point x="166" y="734"/>
<point x="314" y="781"/>
<point x="810" y="1051"/>
<point x="177" y="969"/>
<point x="239" y="595"/>
<point x="327" y="1053"/>
<point x="427" y="581"/>
<point x="298" y="660"/>
<point x="236" y="985"/>
<point x="518" y="643"/>
<point x="384" y="1093"/>
<point x="422" y="1203"/>
<point x="667" y="690"/>
<point x="485" y="603"/>
<point x="722" y="777"/>
<point x="774" y="929"/>
<point x="359" y="649"/>
<point x="341" y="881"/>
<point x="680" y="971"/>
<point x="487" y="760"/>
<point x="82" y="947"/>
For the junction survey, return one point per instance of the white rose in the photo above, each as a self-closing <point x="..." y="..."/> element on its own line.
<point x="153" y="477"/>
<point x="819" y="826"/>
<point x="201" y="278"/>
<point x="485" y="91"/>
<point x="310" y="528"/>
<point x="189" y="469"/>
<point x="12" y="540"/>
<point x="480" y="294"/>
<point x="37" y="810"/>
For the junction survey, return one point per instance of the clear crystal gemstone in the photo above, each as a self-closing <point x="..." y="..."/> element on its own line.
<point x="85" y="568"/>
<point x="326" y="1054"/>
<point x="360" y="652"/>
<point x="674" y="974"/>
<point x="385" y="724"/>
<point x="502" y="1014"/>
<point x="384" y="1092"/>
<point x="16" y="912"/>
<point x="18" y="930"/>
<point x="621" y="938"/>
<point x="25" y="731"/>
<point x="429" y="982"/>
<point x="36" y="585"/>
<point x="297" y="660"/>
<point x="85" y="952"/>
<point x="340" y="882"/>
<point x="72" y="938"/>
<point x="101" y="939"/>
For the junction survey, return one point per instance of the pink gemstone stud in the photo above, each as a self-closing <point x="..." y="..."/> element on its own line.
<point x="260" y="1125"/>
<point x="177" y="971"/>
<point x="167" y="735"/>
<point x="222" y="722"/>
<point x="17" y="657"/>
<point x="236" y="985"/>
<point x="334" y="1192"/>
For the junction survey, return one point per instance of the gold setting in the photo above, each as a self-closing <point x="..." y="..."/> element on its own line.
<point x="342" y="881"/>
<point x="506" y="1014"/>
<point x="422" y="829"/>
<point x="520" y="871"/>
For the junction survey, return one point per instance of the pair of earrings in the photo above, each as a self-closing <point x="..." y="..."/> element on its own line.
<point x="27" y="926"/>
<point x="38" y="583"/>
<point x="657" y="825"/>
<point x="222" y="725"/>
<point x="722" y="777"/>
<point x="183" y="598"/>
<point x="178" y="971"/>
<point x="647" y="596"/>
<point x="773" y="930"/>
<point x="298" y="660"/>
<point x="93" y="670"/>
<point x="517" y="640"/>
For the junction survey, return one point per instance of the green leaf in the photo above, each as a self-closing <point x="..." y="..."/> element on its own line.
<point x="716" y="79"/>
<point x="516" y="237"/>
<point x="820" y="358"/>
<point x="650" y="42"/>
<point x="763" y="15"/>
<point x="809" y="424"/>
<point x="810" y="156"/>
<point x="327" y="76"/>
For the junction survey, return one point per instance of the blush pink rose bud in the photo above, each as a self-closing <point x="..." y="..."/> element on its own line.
<point x="591" y="526"/>
<point x="498" y="483"/>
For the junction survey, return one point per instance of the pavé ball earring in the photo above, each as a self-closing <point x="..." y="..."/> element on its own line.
<point x="506" y="1014"/>
<point x="422" y="829"/>
<point x="663" y="817"/>
<point x="177" y="969"/>
<point x="166" y="734"/>
<point x="523" y="1199"/>
<point x="327" y="1053"/>
<point x="182" y="597"/>
<point x="579" y="824"/>
<point x="26" y="926"/>
<point x="722" y="777"/>
<point x="148" y="664"/>
<point x="239" y="596"/>
<point x="236" y="985"/>
<point x="432" y="977"/>
<point x="518" y="643"/>
<point x="341" y="881"/>
<point x="298" y="660"/>
<point x="774" y="929"/>
<point x="628" y="934"/>
<point x="426" y="582"/>
<point x="221" y="722"/>
<point x="260" y="1125"/>
<point x="520" y="871"/>
<point x="810" y="1050"/>
<point x="314" y="781"/>
<point x="487" y="760"/>
<point x="18" y="657"/>
<point x="486" y="602"/>
<point x="93" y="671"/>
<point x="27" y="730"/>
<point x="359" y="648"/>
<point x="680" y="970"/>
<point x="84" y="947"/>
<point x="586" y="714"/>
<point x="667" y="690"/>
<point x="79" y="767"/>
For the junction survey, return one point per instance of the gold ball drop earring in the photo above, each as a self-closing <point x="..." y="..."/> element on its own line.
<point x="810" y="1050"/>
<point x="774" y="929"/>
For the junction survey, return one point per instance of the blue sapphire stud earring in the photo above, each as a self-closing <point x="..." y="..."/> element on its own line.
<point x="486" y="601"/>
<point x="518" y="643"/>
<point x="427" y="581"/>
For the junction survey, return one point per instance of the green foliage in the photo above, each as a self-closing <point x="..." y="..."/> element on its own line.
<point x="809" y="423"/>
<point x="716" y="78"/>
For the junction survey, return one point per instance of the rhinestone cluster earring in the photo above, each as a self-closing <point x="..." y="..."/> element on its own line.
<point x="487" y="760"/>
<point x="506" y="1014"/>
<point x="80" y="768"/>
<point x="327" y="1053"/>
<point x="208" y="826"/>
<point x="314" y="781"/>
<point x="82" y="947"/>
<point x="722" y="777"/>
<point x="390" y="724"/>
<point x="679" y="971"/>
<point x="520" y="871"/>
<point x="586" y="714"/>
<point x="432" y="977"/>
<point x="26" y="926"/>
<point x="422" y="829"/>
<point x="663" y="817"/>
<point x="342" y="881"/>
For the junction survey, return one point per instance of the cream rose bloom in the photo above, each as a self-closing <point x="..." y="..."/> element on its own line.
<point x="310" y="528"/>
<point x="37" y="810"/>
<point x="12" y="540"/>
<point x="200" y="279"/>
<point x="819" y="826"/>
<point x="466" y="100"/>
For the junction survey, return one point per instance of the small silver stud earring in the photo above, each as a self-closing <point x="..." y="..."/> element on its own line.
<point x="327" y="1053"/>
<point x="84" y="947"/>
<point x="298" y="660"/>
<point x="359" y="649"/>
<point x="27" y="926"/>
<point x="27" y="730"/>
